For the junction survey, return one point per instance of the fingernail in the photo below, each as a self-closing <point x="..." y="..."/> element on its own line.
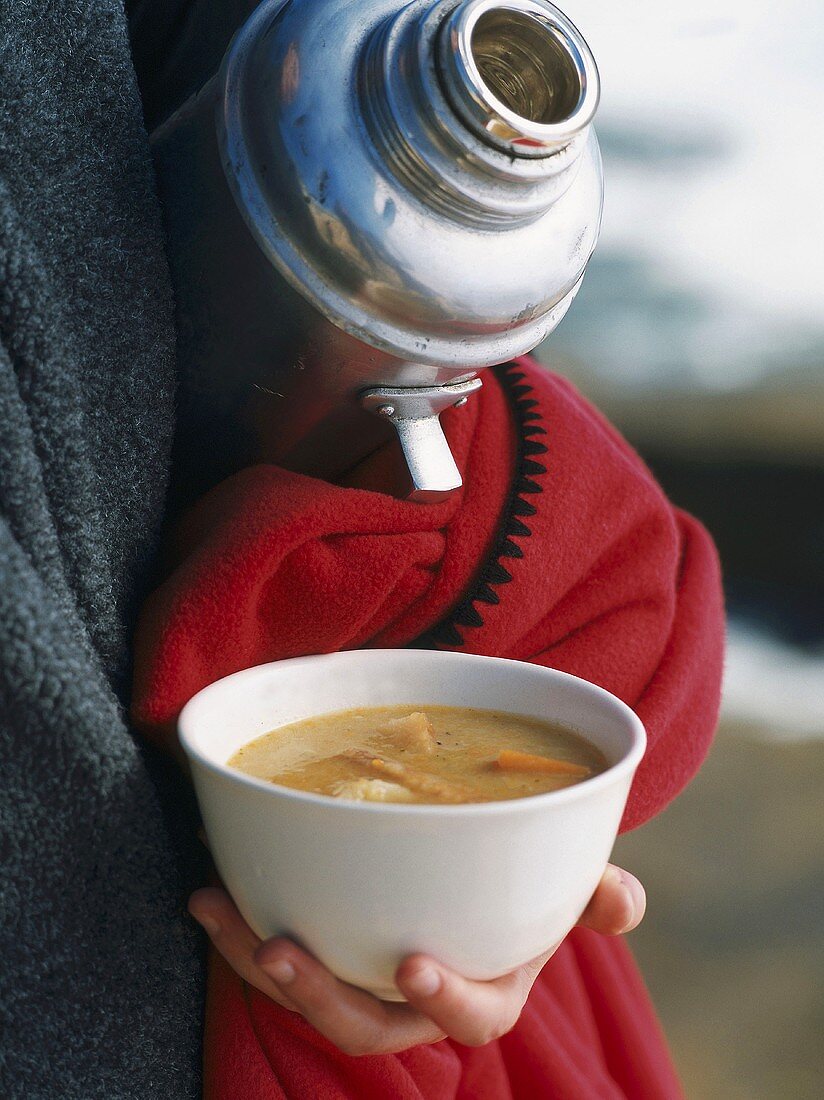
<point x="635" y="893"/>
<point x="280" y="971"/>
<point x="208" y="924"/>
<point x="424" y="982"/>
<point x="617" y="877"/>
<point x="613" y="873"/>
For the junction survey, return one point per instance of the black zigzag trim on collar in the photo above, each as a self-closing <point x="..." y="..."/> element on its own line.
<point x="517" y="510"/>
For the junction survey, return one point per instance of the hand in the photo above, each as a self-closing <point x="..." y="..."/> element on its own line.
<point x="441" y="1002"/>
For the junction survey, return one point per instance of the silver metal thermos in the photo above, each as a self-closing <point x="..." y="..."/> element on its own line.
<point x="369" y="203"/>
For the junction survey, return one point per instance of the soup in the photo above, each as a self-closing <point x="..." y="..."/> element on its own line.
<point x="440" y="755"/>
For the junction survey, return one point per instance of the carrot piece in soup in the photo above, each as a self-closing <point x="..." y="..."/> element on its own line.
<point x="512" y="761"/>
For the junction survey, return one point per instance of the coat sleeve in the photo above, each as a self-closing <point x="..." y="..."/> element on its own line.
<point x="637" y="607"/>
<point x="679" y="700"/>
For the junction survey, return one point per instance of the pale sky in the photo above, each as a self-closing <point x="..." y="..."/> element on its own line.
<point x="734" y="212"/>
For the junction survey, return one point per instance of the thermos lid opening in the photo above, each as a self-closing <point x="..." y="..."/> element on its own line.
<point x="519" y="74"/>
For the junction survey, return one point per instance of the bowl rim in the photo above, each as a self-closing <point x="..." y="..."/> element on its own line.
<point x="327" y="804"/>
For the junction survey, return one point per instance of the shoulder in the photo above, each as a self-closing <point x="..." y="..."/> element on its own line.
<point x="589" y="465"/>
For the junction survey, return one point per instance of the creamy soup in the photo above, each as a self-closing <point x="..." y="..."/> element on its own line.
<point x="440" y="754"/>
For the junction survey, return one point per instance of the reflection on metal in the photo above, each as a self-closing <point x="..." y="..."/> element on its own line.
<point x="383" y="195"/>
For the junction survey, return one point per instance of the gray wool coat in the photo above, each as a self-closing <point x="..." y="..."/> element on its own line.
<point x="102" y="971"/>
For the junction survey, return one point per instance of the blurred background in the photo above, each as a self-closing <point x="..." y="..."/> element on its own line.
<point x="700" y="332"/>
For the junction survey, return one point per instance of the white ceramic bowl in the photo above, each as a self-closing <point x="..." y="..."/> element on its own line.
<point x="483" y="887"/>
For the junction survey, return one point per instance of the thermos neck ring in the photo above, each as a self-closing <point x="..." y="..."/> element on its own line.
<point x="481" y="107"/>
<point x="519" y="74"/>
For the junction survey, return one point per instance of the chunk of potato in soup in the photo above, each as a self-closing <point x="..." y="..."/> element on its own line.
<point x="400" y="754"/>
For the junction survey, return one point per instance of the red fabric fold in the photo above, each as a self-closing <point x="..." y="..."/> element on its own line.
<point x="560" y="549"/>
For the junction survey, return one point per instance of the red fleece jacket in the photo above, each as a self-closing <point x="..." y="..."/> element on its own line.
<point x="560" y="549"/>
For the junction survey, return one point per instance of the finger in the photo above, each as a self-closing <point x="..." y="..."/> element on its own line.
<point x="220" y="918"/>
<point x="617" y="905"/>
<point x="472" y="1013"/>
<point x="355" y="1021"/>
